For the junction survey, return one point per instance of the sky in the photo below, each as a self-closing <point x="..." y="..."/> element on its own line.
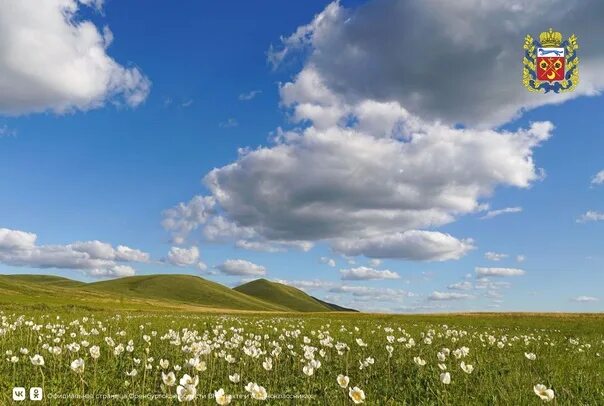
<point x="378" y="154"/>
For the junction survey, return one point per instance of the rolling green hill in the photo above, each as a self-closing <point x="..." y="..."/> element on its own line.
<point x="48" y="280"/>
<point x="156" y="292"/>
<point x="46" y="290"/>
<point x="187" y="289"/>
<point x="283" y="295"/>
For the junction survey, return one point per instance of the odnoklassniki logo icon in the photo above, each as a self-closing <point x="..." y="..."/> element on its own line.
<point x="550" y="64"/>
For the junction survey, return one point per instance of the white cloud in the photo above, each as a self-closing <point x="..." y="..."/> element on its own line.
<point x="15" y="239"/>
<point x="591" y="215"/>
<point x="182" y="219"/>
<point x="117" y="271"/>
<point x="457" y="55"/>
<point x="262" y="246"/>
<point x="183" y="256"/>
<point x="494" y="213"/>
<point x="412" y="244"/>
<point x="436" y="295"/>
<point x="241" y="267"/>
<point x="365" y="293"/>
<point x="520" y="258"/>
<point x="598" y="179"/>
<point x="307" y="284"/>
<point x="586" y="299"/>
<point x="485" y="283"/>
<point x="321" y="185"/>
<point x="375" y="262"/>
<point x="53" y="59"/>
<point x="365" y="273"/>
<point x="328" y="261"/>
<point x="495" y="256"/>
<point x="123" y="253"/>
<point x="95" y="258"/>
<point x="465" y="285"/>
<point x="482" y="271"/>
<point x="249" y="95"/>
<point x="102" y="250"/>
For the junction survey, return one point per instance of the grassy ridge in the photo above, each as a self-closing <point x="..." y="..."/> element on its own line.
<point x="284" y="295"/>
<point x="183" y="289"/>
<point x="158" y="292"/>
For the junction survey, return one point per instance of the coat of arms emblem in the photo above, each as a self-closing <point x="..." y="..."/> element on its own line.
<point x="550" y="64"/>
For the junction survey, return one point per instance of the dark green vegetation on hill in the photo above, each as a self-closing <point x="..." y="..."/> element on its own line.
<point x="154" y="292"/>
<point x="285" y="295"/>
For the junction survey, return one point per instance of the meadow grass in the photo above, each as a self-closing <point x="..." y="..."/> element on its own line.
<point x="380" y="354"/>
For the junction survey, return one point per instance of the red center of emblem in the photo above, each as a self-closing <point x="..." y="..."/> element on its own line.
<point x="550" y="69"/>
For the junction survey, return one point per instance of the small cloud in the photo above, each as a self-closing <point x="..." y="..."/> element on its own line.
<point x="365" y="273"/>
<point x="187" y="103"/>
<point x="494" y="213"/>
<point x="436" y="295"/>
<point x="372" y="294"/>
<point x="262" y="246"/>
<point x="328" y="261"/>
<point x="249" y="95"/>
<point x="598" y="178"/>
<point x="585" y="299"/>
<point x="230" y="123"/>
<point x="481" y="271"/>
<point x="485" y="283"/>
<point x="495" y="256"/>
<point x="465" y="285"/>
<point x="520" y="258"/>
<point x="183" y="256"/>
<point x="591" y="215"/>
<point x="374" y="263"/>
<point x="307" y="284"/>
<point x="241" y="267"/>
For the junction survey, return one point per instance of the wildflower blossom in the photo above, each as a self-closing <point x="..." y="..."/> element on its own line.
<point x="356" y="394"/>
<point x="343" y="380"/>
<point x="77" y="366"/>
<point x="544" y="393"/>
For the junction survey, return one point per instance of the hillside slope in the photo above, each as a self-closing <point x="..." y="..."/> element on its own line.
<point x="334" y="307"/>
<point x="157" y="292"/>
<point x="283" y="295"/>
<point x="187" y="289"/>
<point x="47" y="290"/>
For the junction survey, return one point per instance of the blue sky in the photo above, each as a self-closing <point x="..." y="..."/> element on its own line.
<point x="215" y="77"/>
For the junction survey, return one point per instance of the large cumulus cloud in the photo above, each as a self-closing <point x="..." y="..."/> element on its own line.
<point x="375" y="164"/>
<point x="52" y="59"/>
<point x="454" y="61"/>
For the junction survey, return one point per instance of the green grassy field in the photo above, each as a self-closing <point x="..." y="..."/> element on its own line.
<point x="299" y="356"/>
<point x="139" y="341"/>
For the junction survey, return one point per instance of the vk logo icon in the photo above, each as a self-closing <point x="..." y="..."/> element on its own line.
<point x="18" y="394"/>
